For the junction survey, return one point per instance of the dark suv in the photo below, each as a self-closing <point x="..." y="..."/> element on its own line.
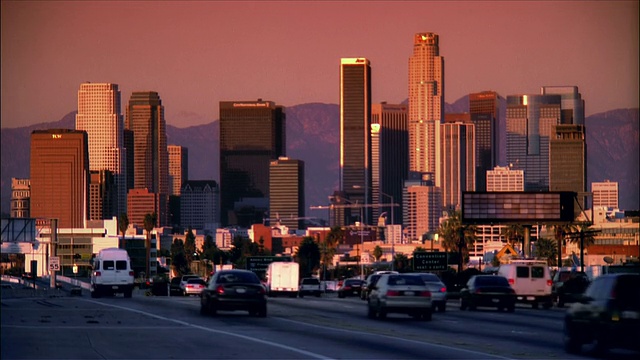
<point x="608" y="314"/>
<point x="568" y="286"/>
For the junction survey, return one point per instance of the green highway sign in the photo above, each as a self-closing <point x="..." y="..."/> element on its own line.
<point x="261" y="263"/>
<point x="430" y="261"/>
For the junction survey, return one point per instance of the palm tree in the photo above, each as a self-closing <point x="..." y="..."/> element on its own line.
<point x="123" y="225"/>
<point x="584" y="236"/>
<point x="514" y="234"/>
<point x="559" y="233"/>
<point x="546" y="249"/>
<point x="329" y="245"/>
<point x="149" y="223"/>
<point x="377" y="253"/>
<point x="456" y="236"/>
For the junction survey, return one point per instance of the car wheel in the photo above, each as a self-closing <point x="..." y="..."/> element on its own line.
<point x="511" y="308"/>
<point x="262" y="311"/>
<point x="463" y="305"/>
<point x="341" y="295"/>
<point x="301" y="295"/>
<point x="318" y="294"/>
<point x="560" y="303"/>
<point x="127" y="293"/>
<point x="547" y="305"/>
<point x="204" y="309"/>
<point x="427" y="315"/>
<point x="472" y="306"/>
<point x="382" y="313"/>
<point x="601" y="347"/>
<point x="371" y="312"/>
<point x="442" y="307"/>
<point x="570" y="341"/>
<point x="534" y="305"/>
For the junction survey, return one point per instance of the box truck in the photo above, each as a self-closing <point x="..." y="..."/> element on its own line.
<point x="283" y="278"/>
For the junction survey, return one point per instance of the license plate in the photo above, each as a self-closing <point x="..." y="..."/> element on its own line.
<point x="409" y="293"/>
<point x="241" y="291"/>
<point x="495" y="300"/>
<point x="114" y="287"/>
<point x="531" y="298"/>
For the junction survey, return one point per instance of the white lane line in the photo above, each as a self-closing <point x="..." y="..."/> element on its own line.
<point x="480" y="355"/>
<point x="248" y="338"/>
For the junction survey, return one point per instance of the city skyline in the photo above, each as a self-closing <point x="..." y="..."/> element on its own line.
<point x="211" y="52"/>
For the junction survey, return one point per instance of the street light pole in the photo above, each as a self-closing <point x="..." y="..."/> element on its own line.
<point x="361" y="242"/>
<point x="393" y="235"/>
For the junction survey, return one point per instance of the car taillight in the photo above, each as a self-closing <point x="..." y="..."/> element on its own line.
<point x="549" y="282"/>
<point x="220" y="289"/>
<point x="347" y="287"/>
<point x="425" y="293"/>
<point x="262" y="291"/>
<point x="189" y="286"/>
<point x="393" y="293"/>
<point x="478" y="291"/>
<point x="97" y="273"/>
<point x="131" y="273"/>
<point x="443" y="289"/>
<point x="511" y="281"/>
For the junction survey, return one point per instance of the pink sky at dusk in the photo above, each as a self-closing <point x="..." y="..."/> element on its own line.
<point x="196" y="54"/>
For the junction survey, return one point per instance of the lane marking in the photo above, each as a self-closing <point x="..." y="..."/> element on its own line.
<point x="264" y="342"/>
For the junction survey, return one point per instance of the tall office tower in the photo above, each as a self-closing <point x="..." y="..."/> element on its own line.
<point x="484" y="108"/>
<point x="99" y="115"/>
<point x="355" y="134"/>
<point x="199" y="204"/>
<point x="286" y="192"/>
<point x="458" y="153"/>
<point x="178" y="167"/>
<point x="421" y="204"/>
<point x="129" y="149"/>
<point x="60" y="176"/>
<point x="145" y="117"/>
<point x="389" y="158"/>
<point x="142" y="202"/>
<point x="20" y="198"/>
<point x="103" y="195"/>
<point x="505" y="179"/>
<point x="605" y="194"/>
<point x="567" y="162"/>
<point x="338" y="212"/>
<point x="531" y="122"/>
<point x="252" y="133"/>
<point x="571" y="103"/>
<point x="426" y="104"/>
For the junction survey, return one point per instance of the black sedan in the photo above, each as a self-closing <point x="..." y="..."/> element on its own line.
<point x="232" y="290"/>
<point x="488" y="291"/>
<point x="351" y="287"/>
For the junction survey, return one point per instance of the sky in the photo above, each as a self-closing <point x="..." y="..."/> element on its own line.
<point x="196" y="54"/>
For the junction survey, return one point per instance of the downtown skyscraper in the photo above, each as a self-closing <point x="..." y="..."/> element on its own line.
<point x="99" y="114"/>
<point x="426" y="104"/>
<point x="484" y="108"/>
<point x="355" y="134"/>
<point x="252" y="134"/>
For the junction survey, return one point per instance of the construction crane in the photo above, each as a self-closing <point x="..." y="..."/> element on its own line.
<point x="278" y="219"/>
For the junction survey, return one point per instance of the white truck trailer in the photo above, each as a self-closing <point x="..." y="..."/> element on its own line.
<point x="283" y="278"/>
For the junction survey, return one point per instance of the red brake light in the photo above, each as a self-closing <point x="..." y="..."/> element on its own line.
<point x="347" y="287"/>
<point x="262" y="290"/>
<point x="511" y="281"/>
<point x="220" y="289"/>
<point x="549" y="282"/>
<point x="425" y="293"/>
<point x="97" y="273"/>
<point x="478" y="291"/>
<point x="443" y="289"/>
<point x="393" y="293"/>
<point x="131" y="273"/>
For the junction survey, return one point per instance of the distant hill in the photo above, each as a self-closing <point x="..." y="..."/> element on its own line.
<point x="313" y="136"/>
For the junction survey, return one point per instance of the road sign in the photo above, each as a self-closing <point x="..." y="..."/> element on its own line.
<point x="430" y="261"/>
<point x="54" y="263"/>
<point x="261" y="263"/>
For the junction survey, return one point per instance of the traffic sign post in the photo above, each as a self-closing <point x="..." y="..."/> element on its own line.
<point x="430" y="261"/>
<point x="54" y="263"/>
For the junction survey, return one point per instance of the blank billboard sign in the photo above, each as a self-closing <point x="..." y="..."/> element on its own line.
<point x="517" y="207"/>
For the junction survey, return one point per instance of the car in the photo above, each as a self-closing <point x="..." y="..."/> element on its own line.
<point x="309" y="286"/>
<point x="400" y="293"/>
<point x="488" y="291"/>
<point x="607" y="314"/>
<point x="438" y="290"/>
<point x="234" y="290"/>
<point x="531" y="280"/>
<point x="568" y="285"/>
<point x="112" y="273"/>
<point x="370" y="280"/>
<point x="183" y="282"/>
<point x="174" y="286"/>
<point x="194" y="286"/>
<point x="350" y="287"/>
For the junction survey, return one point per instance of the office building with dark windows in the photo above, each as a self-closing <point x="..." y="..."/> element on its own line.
<point x="103" y="195"/>
<point x="484" y="108"/>
<point x="458" y="166"/>
<point x="286" y="193"/>
<point x="252" y="134"/>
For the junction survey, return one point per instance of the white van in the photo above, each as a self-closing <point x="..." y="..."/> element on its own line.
<point x="111" y="273"/>
<point x="531" y="280"/>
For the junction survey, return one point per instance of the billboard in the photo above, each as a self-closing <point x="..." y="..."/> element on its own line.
<point x="517" y="207"/>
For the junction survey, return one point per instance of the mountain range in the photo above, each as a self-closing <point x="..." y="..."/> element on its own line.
<point x="313" y="135"/>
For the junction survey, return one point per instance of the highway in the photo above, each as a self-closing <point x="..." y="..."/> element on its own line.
<point x="53" y="324"/>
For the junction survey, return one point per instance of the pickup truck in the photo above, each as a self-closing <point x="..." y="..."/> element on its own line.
<point x="309" y="286"/>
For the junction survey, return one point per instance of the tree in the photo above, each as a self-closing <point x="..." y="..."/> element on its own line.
<point x="514" y="234"/>
<point x="241" y="249"/>
<point x="308" y="256"/>
<point x="401" y="263"/>
<point x="559" y="233"/>
<point x="584" y="236"/>
<point x="377" y="252"/>
<point x="149" y="223"/>
<point x="456" y="236"/>
<point x="178" y="260"/>
<point x="329" y="245"/>
<point x="123" y="225"/>
<point x="189" y="246"/>
<point x="546" y="249"/>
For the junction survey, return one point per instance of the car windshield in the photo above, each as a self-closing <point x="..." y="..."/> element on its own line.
<point x="430" y="278"/>
<point x="196" y="281"/>
<point x="491" y="281"/>
<point x="405" y="280"/>
<point x="238" y="277"/>
<point x="353" y="282"/>
<point x="310" y="281"/>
